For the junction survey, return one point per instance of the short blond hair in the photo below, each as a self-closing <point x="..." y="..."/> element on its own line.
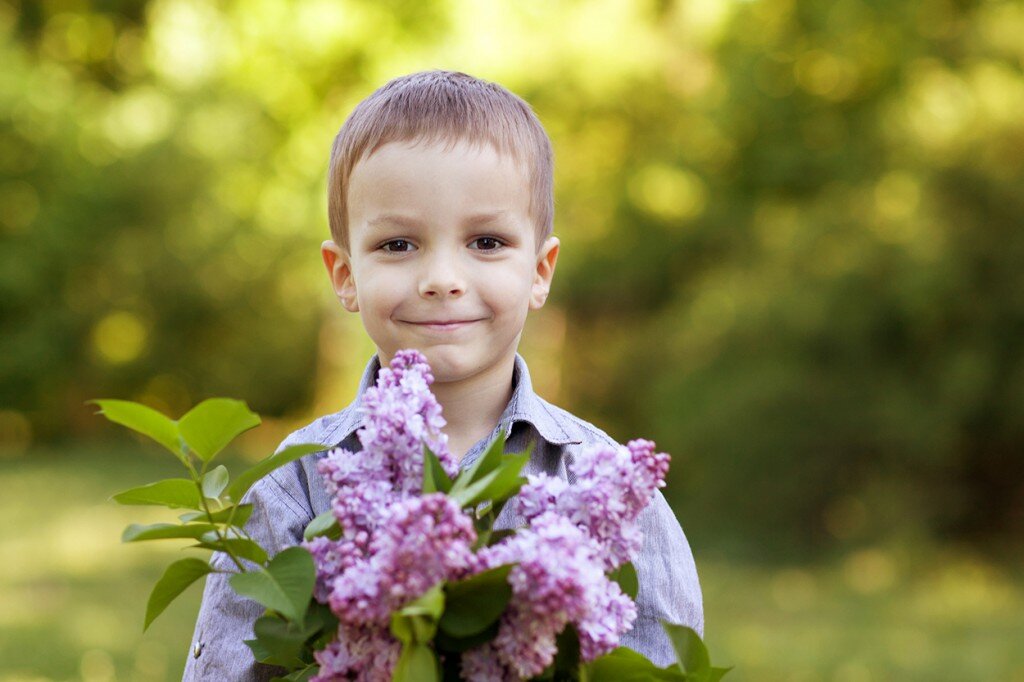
<point x="443" y="106"/>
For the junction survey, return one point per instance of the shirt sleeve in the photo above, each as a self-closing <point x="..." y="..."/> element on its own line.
<point x="218" y="651"/>
<point x="669" y="588"/>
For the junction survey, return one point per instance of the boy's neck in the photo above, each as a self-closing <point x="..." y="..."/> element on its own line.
<point x="473" y="406"/>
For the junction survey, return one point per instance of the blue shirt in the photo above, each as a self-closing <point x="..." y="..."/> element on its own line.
<point x="286" y="500"/>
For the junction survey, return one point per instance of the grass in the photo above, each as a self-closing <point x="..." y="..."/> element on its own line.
<point x="73" y="597"/>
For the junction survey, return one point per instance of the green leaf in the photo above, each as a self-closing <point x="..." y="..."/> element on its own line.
<point x="447" y="643"/>
<point x="430" y="603"/>
<point x="417" y="620"/>
<point x="718" y="673"/>
<point x="691" y="653"/>
<point x="276" y="644"/>
<point x="626" y="665"/>
<point x="175" y="579"/>
<point x="434" y="477"/>
<point x="221" y="515"/>
<point x="320" y="620"/>
<point x="240" y="547"/>
<point x="285" y="585"/>
<point x="473" y="604"/>
<point x="505" y="481"/>
<point x="144" y="420"/>
<point x="280" y="642"/>
<point x="245" y="480"/>
<point x="303" y="675"/>
<point x="161" y="531"/>
<point x="259" y="651"/>
<point x="175" y="493"/>
<point x="484" y="529"/>
<point x="486" y="514"/>
<point x="215" y="422"/>
<point x="487" y="463"/>
<point x="500" y="482"/>
<point x="509" y="483"/>
<point x="324" y="524"/>
<point x="412" y="629"/>
<point x="214" y="482"/>
<point x="625" y="576"/>
<point x="482" y="512"/>
<point x="567" y="657"/>
<point x="416" y="663"/>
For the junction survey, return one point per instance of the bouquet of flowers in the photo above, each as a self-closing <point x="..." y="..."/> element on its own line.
<point x="407" y="576"/>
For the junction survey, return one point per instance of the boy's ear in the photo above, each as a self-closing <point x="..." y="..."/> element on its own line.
<point x="339" y="269"/>
<point x="546" y="259"/>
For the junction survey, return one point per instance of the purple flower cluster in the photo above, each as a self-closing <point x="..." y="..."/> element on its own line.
<point x="397" y="543"/>
<point x="401" y="415"/>
<point x="576" y="534"/>
<point x="613" y="485"/>
<point x="422" y="541"/>
<point x="558" y="579"/>
<point x="360" y="653"/>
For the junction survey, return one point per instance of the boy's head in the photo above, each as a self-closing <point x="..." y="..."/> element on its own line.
<point x="440" y="240"/>
<point x="446" y="107"/>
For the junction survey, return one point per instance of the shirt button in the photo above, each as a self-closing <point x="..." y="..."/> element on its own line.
<point x="197" y="649"/>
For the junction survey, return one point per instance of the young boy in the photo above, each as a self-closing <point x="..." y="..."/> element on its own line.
<point x="441" y="210"/>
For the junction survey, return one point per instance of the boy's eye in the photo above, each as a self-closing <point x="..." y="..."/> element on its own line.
<point x="487" y="243"/>
<point x="396" y="246"/>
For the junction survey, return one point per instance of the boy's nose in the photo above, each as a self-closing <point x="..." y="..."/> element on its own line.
<point x="441" y="280"/>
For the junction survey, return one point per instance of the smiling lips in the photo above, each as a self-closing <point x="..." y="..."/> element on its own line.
<point x="444" y="325"/>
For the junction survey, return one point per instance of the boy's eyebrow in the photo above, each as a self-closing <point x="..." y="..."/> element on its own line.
<point x="407" y="222"/>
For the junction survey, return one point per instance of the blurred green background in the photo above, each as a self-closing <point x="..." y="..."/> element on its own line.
<point x="792" y="255"/>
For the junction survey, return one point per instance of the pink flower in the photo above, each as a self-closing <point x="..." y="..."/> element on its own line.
<point x="367" y="654"/>
<point x="398" y="543"/>
<point x="422" y="541"/>
<point x="613" y="485"/>
<point x="559" y="578"/>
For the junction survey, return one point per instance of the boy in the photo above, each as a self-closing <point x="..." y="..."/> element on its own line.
<point x="441" y="210"/>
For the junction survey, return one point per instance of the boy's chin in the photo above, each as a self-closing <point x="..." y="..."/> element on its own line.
<point x="453" y="364"/>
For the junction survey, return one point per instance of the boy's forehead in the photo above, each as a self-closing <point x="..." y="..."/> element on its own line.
<point x="478" y="178"/>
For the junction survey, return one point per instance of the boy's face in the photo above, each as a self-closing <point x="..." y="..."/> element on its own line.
<point x="442" y="256"/>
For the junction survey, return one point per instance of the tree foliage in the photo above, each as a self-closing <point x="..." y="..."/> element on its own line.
<point x="791" y="229"/>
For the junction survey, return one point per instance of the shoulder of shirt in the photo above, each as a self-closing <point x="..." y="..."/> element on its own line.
<point x="321" y="430"/>
<point x="575" y="427"/>
<point x="289" y="484"/>
<point x="331" y="429"/>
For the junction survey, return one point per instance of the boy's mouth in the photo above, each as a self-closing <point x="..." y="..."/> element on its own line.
<point x="443" y="325"/>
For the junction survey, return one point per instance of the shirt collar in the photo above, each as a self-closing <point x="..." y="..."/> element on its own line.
<point x="524" y="406"/>
<point x="528" y="407"/>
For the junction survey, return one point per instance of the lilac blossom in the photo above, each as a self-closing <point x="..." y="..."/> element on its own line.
<point x="401" y="415"/>
<point x="558" y="578"/>
<point x="613" y="485"/>
<point x="422" y="541"/>
<point x="367" y="654"/>
<point x="331" y="558"/>
<point x="397" y="543"/>
<point x="361" y="489"/>
<point x="482" y="665"/>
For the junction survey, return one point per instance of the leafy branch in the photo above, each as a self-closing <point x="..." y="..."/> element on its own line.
<point x="216" y="516"/>
<point x="434" y="629"/>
